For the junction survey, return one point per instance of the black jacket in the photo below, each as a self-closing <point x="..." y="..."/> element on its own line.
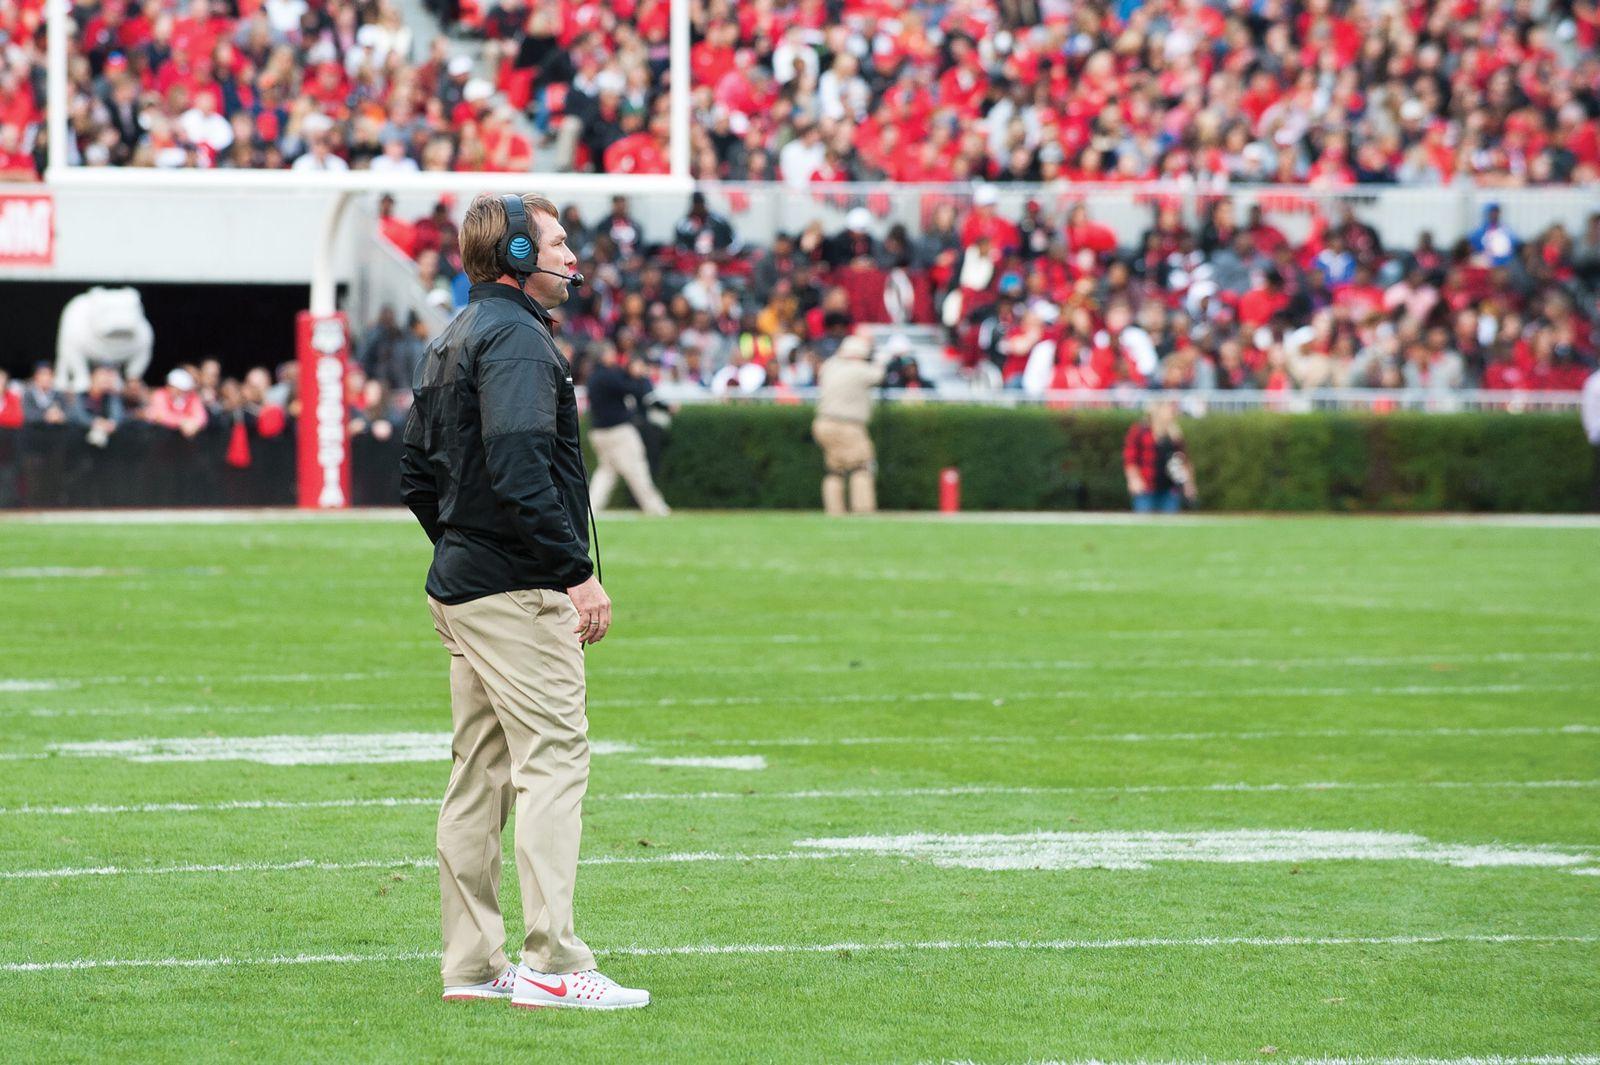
<point x="609" y="389"/>
<point x="492" y="467"/>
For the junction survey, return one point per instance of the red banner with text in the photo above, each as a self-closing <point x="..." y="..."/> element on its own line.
<point x="323" y="343"/>
<point x="27" y="229"/>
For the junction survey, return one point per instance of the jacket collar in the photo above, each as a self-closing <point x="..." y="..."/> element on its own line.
<point x="494" y="290"/>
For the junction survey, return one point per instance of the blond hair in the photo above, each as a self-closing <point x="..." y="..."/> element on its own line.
<point x="485" y="226"/>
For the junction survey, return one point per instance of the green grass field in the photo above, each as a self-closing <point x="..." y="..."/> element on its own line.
<point x="884" y="790"/>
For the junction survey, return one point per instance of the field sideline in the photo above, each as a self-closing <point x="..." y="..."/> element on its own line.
<point x="1003" y="789"/>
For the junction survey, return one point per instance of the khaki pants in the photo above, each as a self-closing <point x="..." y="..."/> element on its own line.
<point x="620" y="450"/>
<point x="520" y="735"/>
<point x="846" y="451"/>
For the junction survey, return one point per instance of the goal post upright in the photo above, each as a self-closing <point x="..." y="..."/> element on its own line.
<point x="679" y="87"/>
<point x="57" y="22"/>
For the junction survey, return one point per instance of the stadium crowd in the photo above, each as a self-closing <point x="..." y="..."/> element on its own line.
<point x="1043" y="302"/>
<point x="1326" y="92"/>
<point x="341" y="85"/>
<point x="1051" y="301"/>
<point x="195" y="399"/>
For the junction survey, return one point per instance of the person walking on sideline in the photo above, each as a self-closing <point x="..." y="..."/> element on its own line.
<point x="493" y="471"/>
<point x="617" y="443"/>
<point x="1160" y="478"/>
<point x="845" y="383"/>
<point x="1591" y="426"/>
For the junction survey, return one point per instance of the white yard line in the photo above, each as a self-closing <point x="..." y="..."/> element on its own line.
<point x="361" y="748"/>
<point x="1087" y="789"/>
<point x="1141" y="943"/>
<point x="1052" y="851"/>
<point x="1265" y="663"/>
<point x="74" y="872"/>
<point x="105" y="809"/>
<point x="101" y="809"/>
<point x="315" y="865"/>
<point x="1092" y="518"/>
<point x="1141" y="850"/>
<point x="82" y="572"/>
<point x="1493" y="1059"/>
<point x="1574" y="729"/>
<point x="290" y="750"/>
<point x="37" y="685"/>
<point x="745" y="763"/>
<point x="399" y="515"/>
<point x="48" y="572"/>
<point x="178" y="710"/>
<point x="202" y="516"/>
<point x="892" y="946"/>
<point x="1000" y="699"/>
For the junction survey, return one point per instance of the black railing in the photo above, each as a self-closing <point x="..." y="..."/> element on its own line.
<point x="44" y="466"/>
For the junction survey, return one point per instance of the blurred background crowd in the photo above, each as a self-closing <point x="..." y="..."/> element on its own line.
<point x="1325" y="92"/>
<point x="1042" y="302"/>
<point x="1048" y="300"/>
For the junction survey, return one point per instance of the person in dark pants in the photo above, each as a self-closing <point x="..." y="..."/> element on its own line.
<point x="617" y="443"/>
<point x="493" y="470"/>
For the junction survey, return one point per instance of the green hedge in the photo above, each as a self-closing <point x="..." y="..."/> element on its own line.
<point x="1034" y="459"/>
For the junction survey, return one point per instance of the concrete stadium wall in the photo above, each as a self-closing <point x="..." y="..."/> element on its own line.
<point x="247" y="236"/>
<point x="240" y="236"/>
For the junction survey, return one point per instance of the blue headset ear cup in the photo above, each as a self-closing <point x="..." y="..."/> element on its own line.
<point x="518" y="249"/>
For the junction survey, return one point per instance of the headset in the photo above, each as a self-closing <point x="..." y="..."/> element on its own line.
<point x="519" y="248"/>
<point x="519" y="255"/>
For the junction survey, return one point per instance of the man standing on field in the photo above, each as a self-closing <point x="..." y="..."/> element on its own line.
<point x="493" y="471"/>
<point x="844" y="404"/>
<point x="617" y="443"/>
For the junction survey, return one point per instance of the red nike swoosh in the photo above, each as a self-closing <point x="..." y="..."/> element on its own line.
<point x="559" y="990"/>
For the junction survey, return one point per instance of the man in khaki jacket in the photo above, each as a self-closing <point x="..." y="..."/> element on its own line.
<point x="846" y="382"/>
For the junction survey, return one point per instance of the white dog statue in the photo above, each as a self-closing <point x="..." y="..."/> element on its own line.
<point x="102" y="326"/>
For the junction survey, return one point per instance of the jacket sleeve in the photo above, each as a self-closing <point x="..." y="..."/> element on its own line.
<point x="417" y="486"/>
<point x="519" y="387"/>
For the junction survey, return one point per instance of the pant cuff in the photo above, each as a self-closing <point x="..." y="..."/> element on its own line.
<point x="569" y="963"/>
<point x="462" y="977"/>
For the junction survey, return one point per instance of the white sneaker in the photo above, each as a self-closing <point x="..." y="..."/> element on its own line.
<point x="500" y="987"/>
<point x="588" y="989"/>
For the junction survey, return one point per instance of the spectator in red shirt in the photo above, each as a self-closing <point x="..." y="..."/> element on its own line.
<point x="1263" y="302"/>
<point x="178" y="405"/>
<point x="986" y="221"/>
<point x="10" y="403"/>
<point x="397" y="231"/>
<point x="16" y="157"/>
<point x="644" y="152"/>
<point x="1084" y="232"/>
<point x="1361" y="297"/>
